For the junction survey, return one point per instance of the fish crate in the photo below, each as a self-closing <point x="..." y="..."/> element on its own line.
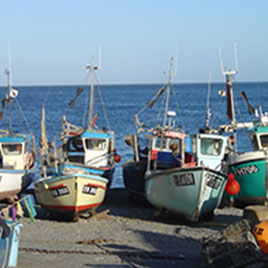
<point x="233" y="247"/>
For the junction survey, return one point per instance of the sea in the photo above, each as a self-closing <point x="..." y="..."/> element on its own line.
<point x="118" y="104"/>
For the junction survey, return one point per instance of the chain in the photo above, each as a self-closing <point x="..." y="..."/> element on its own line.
<point x="142" y="255"/>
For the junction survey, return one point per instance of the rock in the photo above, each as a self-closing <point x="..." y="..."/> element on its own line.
<point x="255" y="214"/>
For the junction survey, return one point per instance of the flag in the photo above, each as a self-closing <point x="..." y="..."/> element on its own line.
<point x="251" y="109"/>
<point x="29" y="210"/>
<point x="19" y="210"/>
<point x="94" y="120"/>
<point x="13" y="213"/>
<point x="78" y="92"/>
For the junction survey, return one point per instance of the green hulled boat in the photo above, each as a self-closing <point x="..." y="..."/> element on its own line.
<point x="249" y="167"/>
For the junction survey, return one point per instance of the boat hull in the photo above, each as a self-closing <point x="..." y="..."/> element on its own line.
<point x="12" y="182"/>
<point x="133" y="176"/>
<point x="69" y="167"/>
<point x="9" y="246"/>
<point x="71" y="195"/>
<point x="250" y="170"/>
<point x="191" y="192"/>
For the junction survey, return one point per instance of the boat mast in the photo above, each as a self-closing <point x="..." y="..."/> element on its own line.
<point x="168" y="92"/>
<point x="208" y="114"/>
<point x="92" y="69"/>
<point x="230" y="96"/>
<point x="230" y="93"/>
<point x="9" y="84"/>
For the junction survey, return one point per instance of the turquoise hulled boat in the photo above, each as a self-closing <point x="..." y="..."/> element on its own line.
<point x="193" y="185"/>
<point x="178" y="172"/>
<point x="9" y="243"/>
<point x="249" y="167"/>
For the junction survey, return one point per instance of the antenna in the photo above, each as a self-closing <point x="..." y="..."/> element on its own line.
<point x="229" y="71"/>
<point x="208" y="115"/>
<point x="235" y="56"/>
<point x="221" y="63"/>
<point x="8" y="70"/>
<point x="176" y="58"/>
<point x="99" y="61"/>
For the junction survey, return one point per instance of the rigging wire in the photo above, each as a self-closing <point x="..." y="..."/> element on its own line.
<point x="23" y="115"/>
<point x="177" y="104"/>
<point x="86" y="102"/>
<point x="19" y="118"/>
<point x="215" y="116"/>
<point x="102" y="103"/>
<point x="236" y="104"/>
<point x="162" y="107"/>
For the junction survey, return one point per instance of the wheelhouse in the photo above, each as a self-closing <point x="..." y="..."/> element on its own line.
<point x="91" y="148"/>
<point x="259" y="137"/>
<point x="16" y="152"/>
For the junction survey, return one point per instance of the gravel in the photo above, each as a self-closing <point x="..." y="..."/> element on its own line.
<point x="123" y="233"/>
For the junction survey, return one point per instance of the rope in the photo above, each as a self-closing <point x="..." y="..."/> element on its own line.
<point x="23" y="115"/>
<point x="86" y="104"/>
<point x="102" y="103"/>
<point x="177" y="104"/>
<point x="21" y="123"/>
<point x="214" y="116"/>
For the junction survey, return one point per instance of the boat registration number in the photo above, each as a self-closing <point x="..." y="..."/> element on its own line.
<point x="213" y="181"/>
<point x="184" y="179"/>
<point x="89" y="190"/>
<point x="59" y="191"/>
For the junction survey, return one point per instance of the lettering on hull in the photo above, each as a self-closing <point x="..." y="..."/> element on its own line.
<point x="59" y="191"/>
<point x="213" y="181"/>
<point x="89" y="190"/>
<point x="184" y="179"/>
<point x="246" y="170"/>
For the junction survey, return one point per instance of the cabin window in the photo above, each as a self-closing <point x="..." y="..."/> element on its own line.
<point x="75" y="145"/>
<point x="12" y="149"/>
<point x="264" y="141"/>
<point x="254" y="142"/>
<point x="95" y="144"/>
<point x="161" y="143"/>
<point x="211" y="146"/>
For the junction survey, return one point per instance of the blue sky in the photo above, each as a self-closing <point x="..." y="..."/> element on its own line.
<point x="52" y="40"/>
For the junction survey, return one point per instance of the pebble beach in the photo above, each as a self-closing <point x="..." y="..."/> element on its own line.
<point x="124" y="232"/>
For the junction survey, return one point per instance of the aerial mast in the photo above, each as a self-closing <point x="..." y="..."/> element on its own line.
<point x="230" y="93"/>
<point x="92" y="69"/>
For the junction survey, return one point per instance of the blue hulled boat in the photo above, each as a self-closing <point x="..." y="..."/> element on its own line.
<point x="9" y="243"/>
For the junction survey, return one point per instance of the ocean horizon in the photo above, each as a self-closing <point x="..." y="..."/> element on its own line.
<point x="122" y="102"/>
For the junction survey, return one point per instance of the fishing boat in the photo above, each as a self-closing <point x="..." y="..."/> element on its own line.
<point x="9" y="243"/>
<point x="17" y="150"/>
<point x="183" y="173"/>
<point x="249" y="167"/>
<point x="76" y="174"/>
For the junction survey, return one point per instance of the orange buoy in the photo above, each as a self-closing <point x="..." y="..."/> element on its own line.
<point x="117" y="158"/>
<point x="260" y="232"/>
<point x="231" y="176"/>
<point x="232" y="187"/>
